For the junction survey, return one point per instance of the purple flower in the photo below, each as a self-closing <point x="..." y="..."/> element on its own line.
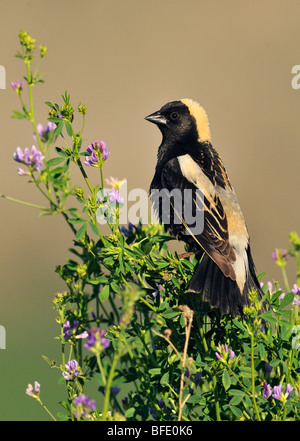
<point x="270" y="288"/>
<point x="277" y="391"/>
<point x="98" y="154"/>
<point x="127" y="231"/>
<point x="33" y="391"/>
<point x="68" y="331"/>
<point x="17" y="86"/>
<point x="159" y="290"/>
<point x="45" y="133"/>
<point x="280" y="254"/>
<point x="32" y="158"/>
<point x="267" y="391"/>
<point x="268" y="368"/>
<point x="280" y="257"/>
<point x="153" y="412"/>
<point x="197" y="377"/>
<point x="84" y="405"/>
<point x="115" y="390"/>
<point x="22" y="172"/>
<point x="296" y="291"/>
<point x="161" y="403"/>
<point x="71" y="370"/>
<point x="114" y="196"/>
<point x="224" y="353"/>
<point x="288" y="390"/>
<point x="278" y="394"/>
<point x="188" y="373"/>
<point x="96" y="340"/>
<point x="19" y="155"/>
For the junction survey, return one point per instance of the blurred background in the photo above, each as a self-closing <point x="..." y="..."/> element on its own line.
<point x="124" y="59"/>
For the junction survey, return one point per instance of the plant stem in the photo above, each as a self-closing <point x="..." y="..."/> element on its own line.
<point x="83" y="124"/>
<point x="217" y="405"/>
<point x="285" y="279"/>
<point x="253" y="378"/>
<point x="108" y="386"/>
<point x="101" y="176"/>
<point x="101" y="368"/>
<point x="188" y="320"/>
<point x="169" y="342"/>
<point x="85" y="177"/>
<point x="28" y="204"/>
<point x="32" y="116"/>
<point x="46" y="409"/>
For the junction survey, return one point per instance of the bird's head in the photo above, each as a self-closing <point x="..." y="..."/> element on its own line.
<point x="182" y="122"/>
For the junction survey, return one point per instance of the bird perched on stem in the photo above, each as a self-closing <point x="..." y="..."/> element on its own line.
<point x="187" y="162"/>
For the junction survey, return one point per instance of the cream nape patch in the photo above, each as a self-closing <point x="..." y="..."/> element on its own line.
<point x="201" y="119"/>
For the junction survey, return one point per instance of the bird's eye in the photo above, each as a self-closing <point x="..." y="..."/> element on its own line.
<point x="174" y="116"/>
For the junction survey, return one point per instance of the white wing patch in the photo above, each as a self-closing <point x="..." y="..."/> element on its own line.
<point x="237" y="230"/>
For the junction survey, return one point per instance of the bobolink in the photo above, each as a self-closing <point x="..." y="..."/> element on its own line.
<point x="186" y="160"/>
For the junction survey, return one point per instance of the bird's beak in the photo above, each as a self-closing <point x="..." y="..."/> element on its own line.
<point x="157" y="118"/>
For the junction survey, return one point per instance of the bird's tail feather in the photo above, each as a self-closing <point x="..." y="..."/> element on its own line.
<point x="220" y="291"/>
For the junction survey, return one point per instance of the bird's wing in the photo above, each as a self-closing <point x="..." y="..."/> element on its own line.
<point x="214" y="239"/>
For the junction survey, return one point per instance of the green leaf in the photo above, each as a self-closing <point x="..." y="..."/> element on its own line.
<point x="94" y="228"/>
<point x="69" y="128"/>
<point x="175" y="282"/>
<point x="61" y="152"/>
<point x="81" y="232"/>
<point x="287" y="299"/>
<point x="54" y="161"/>
<point x="246" y="372"/>
<point x="55" y="119"/>
<point x="161" y="264"/>
<point x="146" y="246"/>
<point x="274" y="362"/>
<point x="165" y="379"/>
<point x="98" y="280"/>
<point x="239" y="325"/>
<point x="238" y="395"/>
<point x="262" y="351"/>
<point x="115" y="287"/>
<point x="226" y="380"/>
<point x="18" y="115"/>
<point x="62" y="416"/>
<point x="286" y="330"/>
<point x="50" y="105"/>
<point x="236" y="392"/>
<point x="59" y="127"/>
<point x="77" y="221"/>
<point x="236" y="411"/>
<point x="65" y="405"/>
<point x="268" y="316"/>
<point x="155" y="371"/>
<point x="170" y="313"/>
<point x="104" y="294"/>
<point x="130" y="412"/>
<point x="196" y="399"/>
<point x="66" y="165"/>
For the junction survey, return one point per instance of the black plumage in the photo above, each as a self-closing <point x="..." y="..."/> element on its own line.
<point x="186" y="160"/>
